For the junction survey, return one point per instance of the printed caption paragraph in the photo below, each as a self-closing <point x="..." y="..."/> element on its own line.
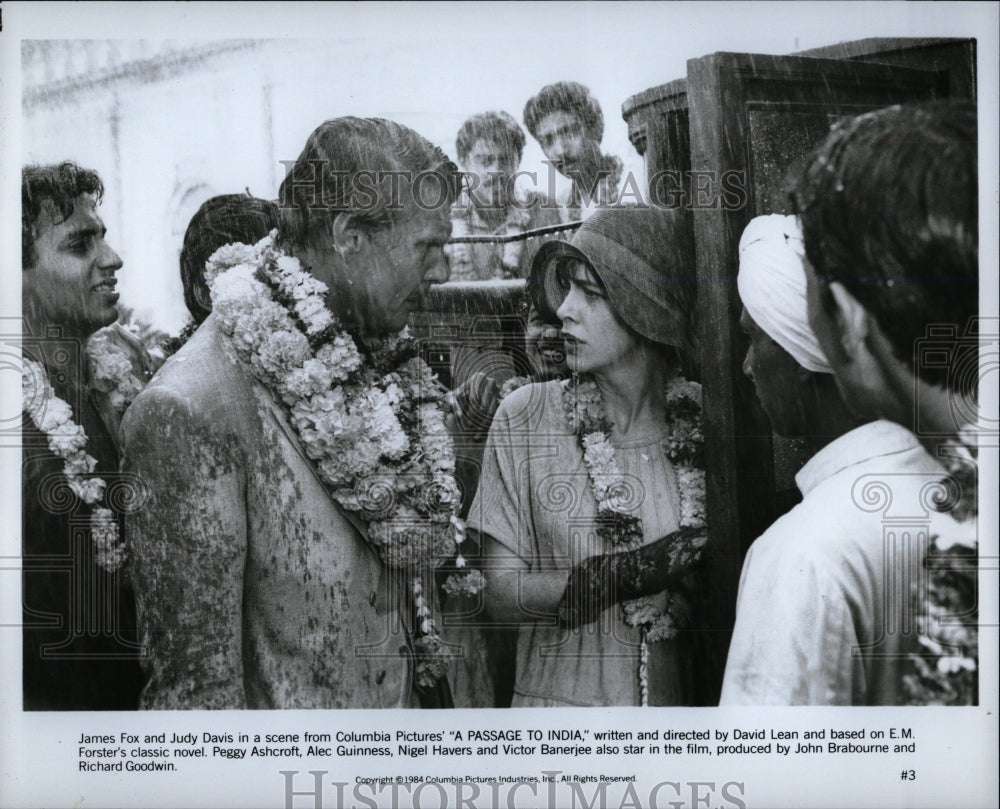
<point x="170" y="751"/>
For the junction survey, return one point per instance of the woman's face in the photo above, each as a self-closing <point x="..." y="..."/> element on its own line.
<point x="594" y="338"/>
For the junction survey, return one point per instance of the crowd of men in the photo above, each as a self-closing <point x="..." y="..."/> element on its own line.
<point x="244" y="584"/>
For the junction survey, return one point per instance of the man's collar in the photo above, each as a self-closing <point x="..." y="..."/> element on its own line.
<point x="861" y="444"/>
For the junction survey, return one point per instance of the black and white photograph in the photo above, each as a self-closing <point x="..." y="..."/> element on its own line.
<point x="633" y="360"/>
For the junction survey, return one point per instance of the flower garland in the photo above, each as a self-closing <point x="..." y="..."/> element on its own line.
<point x="946" y="671"/>
<point x="622" y="531"/>
<point x="67" y="440"/>
<point x="374" y="430"/>
<point x="512" y="384"/>
<point x="111" y="370"/>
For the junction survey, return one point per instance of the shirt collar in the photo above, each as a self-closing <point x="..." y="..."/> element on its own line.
<point x="861" y="444"/>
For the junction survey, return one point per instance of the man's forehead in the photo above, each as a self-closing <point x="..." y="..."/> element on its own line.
<point x="487" y="146"/>
<point x="428" y="218"/>
<point x="84" y="214"/>
<point x="558" y="120"/>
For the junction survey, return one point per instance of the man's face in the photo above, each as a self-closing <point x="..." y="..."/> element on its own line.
<point x="492" y="163"/>
<point x="392" y="268"/>
<point x="777" y="380"/>
<point x="73" y="281"/>
<point x="564" y="140"/>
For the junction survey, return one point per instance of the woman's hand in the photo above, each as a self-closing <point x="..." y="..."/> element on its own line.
<point x="602" y="581"/>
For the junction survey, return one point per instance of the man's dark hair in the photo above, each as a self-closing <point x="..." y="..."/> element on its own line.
<point x="61" y="184"/>
<point x="566" y="96"/>
<point x="889" y="208"/>
<point x="353" y="165"/>
<point x="499" y="127"/>
<point x="220" y="221"/>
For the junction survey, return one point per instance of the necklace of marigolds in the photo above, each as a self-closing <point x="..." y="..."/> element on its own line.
<point x="372" y="426"/>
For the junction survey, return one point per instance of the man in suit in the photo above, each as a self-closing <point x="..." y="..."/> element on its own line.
<point x="257" y="586"/>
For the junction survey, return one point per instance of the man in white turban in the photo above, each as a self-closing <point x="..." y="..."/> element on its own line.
<point x="792" y="379"/>
<point x="820" y="587"/>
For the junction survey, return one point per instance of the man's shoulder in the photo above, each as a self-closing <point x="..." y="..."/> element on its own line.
<point x="814" y="533"/>
<point x="844" y="514"/>
<point x="202" y="381"/>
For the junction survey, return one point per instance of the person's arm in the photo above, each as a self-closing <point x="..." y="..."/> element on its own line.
<point x="471" y="407"/>
<point x="515" y="594"/>
<point x="188" y="547"/>
<point x="500" y="524"/>
<point x="598" y="582"/>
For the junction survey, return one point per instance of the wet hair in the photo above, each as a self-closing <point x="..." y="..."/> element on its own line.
<point x="220" y="221"/>
<point x="61" y="184"/>
<point x="889" y="209"/>
<point x="566" y="96"/>
<point x="352" y="166"/>
<point x="499" y="127"/>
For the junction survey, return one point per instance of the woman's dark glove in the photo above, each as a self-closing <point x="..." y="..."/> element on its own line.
<point x="599" y="582"/>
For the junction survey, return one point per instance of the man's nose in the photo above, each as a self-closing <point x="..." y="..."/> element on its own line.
<point x="108" y="259"/>
<point x="748" y="366"/>
<point x="440" y="271"/>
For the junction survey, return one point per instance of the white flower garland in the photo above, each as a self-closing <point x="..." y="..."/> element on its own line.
<point x="512" y="384"/>
<point x="375" y="430"/>
<point x="946" y="605"/>
<point x="622" y="531"/>
<point x="67" y="440"/>
<point x="111" y="370"/>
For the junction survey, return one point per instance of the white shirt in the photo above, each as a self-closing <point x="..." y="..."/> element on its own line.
<point x="826" y="610"/>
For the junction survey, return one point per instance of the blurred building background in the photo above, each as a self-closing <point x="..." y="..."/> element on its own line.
<point x="169" y="124"/>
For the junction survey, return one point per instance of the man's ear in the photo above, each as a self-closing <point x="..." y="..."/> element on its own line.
<point x="348" y="238"/>
<point x="852" y="320"/>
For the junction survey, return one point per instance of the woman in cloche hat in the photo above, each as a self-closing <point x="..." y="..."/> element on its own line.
<point x="590" y="506"/>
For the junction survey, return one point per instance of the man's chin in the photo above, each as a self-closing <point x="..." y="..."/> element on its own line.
<point x="103" y="320"/>
<point x="388" y="325"/>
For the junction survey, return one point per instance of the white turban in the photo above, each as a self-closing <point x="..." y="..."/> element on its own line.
<point x="772" y="283"/>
